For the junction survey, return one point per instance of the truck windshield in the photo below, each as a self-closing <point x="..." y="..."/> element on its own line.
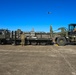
<point x="72" y="27"/>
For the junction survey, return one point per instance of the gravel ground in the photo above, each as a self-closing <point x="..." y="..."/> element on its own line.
<point x="38" y="60"/>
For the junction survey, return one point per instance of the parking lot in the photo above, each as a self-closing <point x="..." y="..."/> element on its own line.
<point x="38" y="60"/>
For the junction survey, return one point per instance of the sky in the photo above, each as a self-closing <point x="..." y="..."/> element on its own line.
<point x="28" y="14"/>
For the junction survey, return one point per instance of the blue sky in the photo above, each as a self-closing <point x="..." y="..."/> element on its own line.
<point x="28" y="14"/>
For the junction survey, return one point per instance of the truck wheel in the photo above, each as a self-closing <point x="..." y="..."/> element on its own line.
<point x="33" y="43"/>
<point x="0" y="42"/>
<point x="13" y="43"/>
<point x="61" y="41"/>
<point x="43" y="43"/>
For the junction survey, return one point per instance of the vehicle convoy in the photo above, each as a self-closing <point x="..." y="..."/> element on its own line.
<point x="66" y="36"/>
<point x="61" y="38"/>
<point x="34" y="38"/>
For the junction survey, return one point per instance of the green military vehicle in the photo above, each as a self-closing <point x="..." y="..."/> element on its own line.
<point x="66" y="36"/>
<point x="10" y="37"/>
<point x="4" y="36"/>
<point x="62" y="38"/>
<point x="32" y="37"/>
<point x="38" y="38"/>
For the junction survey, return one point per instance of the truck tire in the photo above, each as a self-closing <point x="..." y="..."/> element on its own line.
<point x="34" y="43"/>
<point x="0" y="42"/>
<point x="61" y="41"/>
<point x="43" y="43"/>
<point x="13" y="43"/>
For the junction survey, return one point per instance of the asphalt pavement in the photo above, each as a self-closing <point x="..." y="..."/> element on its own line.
<point x="37" y="60"/>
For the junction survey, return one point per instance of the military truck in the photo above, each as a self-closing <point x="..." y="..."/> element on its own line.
<point x="4" y="36"/>
<point x="66" y="36"/>
<point x="9" y="37"/>
<point x="38" y="38"/>
<point x="32" y="37"/>
<point x="62" y="38"/>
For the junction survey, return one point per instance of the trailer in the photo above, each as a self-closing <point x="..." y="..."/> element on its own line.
<point x="38" y="38"/>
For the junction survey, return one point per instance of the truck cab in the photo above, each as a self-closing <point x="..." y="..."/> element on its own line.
<point x="70" y="36"/>
<point x="72" y="27"/>
<point x="72" y="33"/>
<point x="4" y="35"/>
